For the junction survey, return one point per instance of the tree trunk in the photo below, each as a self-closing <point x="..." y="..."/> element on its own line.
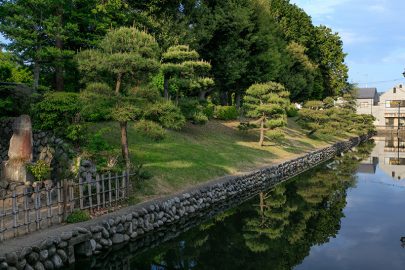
<point x="238" y="98"/>
<point x="166" y="87"/>
<point x="118" y="84"/>
<point x="201" y="95"/>
<point x="224" y="98"/>
<point x="124" y="145"/>
<point x="229" y="102"/>
<point x="37" y="70"/>
<point x="261" y="142"/>
<point x="59" y="69"/>
<point x="261" y="196"/>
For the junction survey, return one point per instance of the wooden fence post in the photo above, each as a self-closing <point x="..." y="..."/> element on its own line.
<point x="65" y="199"/>
<point x="81" y="193"/>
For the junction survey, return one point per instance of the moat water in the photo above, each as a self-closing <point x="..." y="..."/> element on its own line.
<point x="345" y="214"/>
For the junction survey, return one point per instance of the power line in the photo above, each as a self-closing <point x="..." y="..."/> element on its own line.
<point x="394" y="80"/>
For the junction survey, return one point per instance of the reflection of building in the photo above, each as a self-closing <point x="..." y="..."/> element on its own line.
<point x="389" y="154"/>
<point x="388" y="108"/>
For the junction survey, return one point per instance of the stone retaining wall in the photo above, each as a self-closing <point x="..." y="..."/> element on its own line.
<point x="160" y="219"/>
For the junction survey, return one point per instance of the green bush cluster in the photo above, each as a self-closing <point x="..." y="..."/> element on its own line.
<point x="40" y="170"/>
<point x="78" y="216"/>
<point x="15" y="100"/>
<point x="226" y="113"/>
<point x="166" y="114"/>
<point x="96" y="142"/>
<point x="56" y="111"/>
<point x="150" y="129"/>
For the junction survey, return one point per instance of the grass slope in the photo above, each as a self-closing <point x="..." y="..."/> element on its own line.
<point x="201" y="153"/>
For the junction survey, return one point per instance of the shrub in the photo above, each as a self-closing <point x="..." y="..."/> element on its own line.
<point x="78" y="216"/>
<point x="40" y="170"/>
<point x="15" y="100"/>
<point x="292" y="111"/>
<point x="209" y="110"/>
<point x="275" y="135"/>
<point x="96" y="102"/>
<point x="167" y="114"/>
<point x="188" y="107"/>
<point x="56" y="111"/>
<point x="194" y="110"/>
<point x="96" y="142"/>
<point x="199" y="118"/>
<point x="76" y="133"/>
<point x="226" y="113"/>
<point x="150" y="129"/>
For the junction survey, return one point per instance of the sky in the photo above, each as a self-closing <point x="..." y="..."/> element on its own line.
<point x="373" y="33"/>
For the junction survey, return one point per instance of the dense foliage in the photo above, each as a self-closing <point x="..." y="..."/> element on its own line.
<point x="162" y="63"/>
<point x="242" y="42"/>
<point x="326" y="117"/>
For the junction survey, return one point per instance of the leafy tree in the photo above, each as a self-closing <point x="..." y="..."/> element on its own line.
<point x="12" y="71"/>
<point x="221" y="34"/>
<point x="331" y="58"/>
<point x="267" y="102"/>
<point x="124" y="56"/>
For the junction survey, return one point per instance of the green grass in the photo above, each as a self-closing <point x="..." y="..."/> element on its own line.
<point x="201" y="153"/>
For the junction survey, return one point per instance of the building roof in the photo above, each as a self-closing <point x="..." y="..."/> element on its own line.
<point x="366" y="93"/>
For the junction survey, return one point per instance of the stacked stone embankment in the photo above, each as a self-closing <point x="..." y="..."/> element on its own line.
<point x="160" y="219"/>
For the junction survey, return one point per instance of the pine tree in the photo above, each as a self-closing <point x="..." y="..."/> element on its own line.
<point x="267" y="102"/>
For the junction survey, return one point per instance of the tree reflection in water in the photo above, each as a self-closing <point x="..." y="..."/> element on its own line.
<point x="274" y="231"/>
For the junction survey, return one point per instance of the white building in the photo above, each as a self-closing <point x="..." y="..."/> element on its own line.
<point x="388" y="108"/>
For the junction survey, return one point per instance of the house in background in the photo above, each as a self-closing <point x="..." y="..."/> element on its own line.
<point x="388" y="108"/>
<point x="367" y="98"/>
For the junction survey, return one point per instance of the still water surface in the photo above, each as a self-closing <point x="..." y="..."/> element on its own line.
<point x="345" y="214"/>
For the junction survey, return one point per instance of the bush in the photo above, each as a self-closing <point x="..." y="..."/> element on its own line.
<point x="189" y="106"/>
<point x="96" y="102"/>
<point x="199" y="118"/>
<point x="292" y="111"/>
<point x="76" y="133"/>
<point x="78" y="216"/>
<point x="15" y="100"/>
<point x="226" y="113"/>
<point x="40" y="170"/>
<point x="209" y="110"/>
<point x="96" y="142"/>
<point x="167" y="114"/>
<point x="56" y="111"/>
<point x="275" y="135"/>
<point x="150" y="129"/>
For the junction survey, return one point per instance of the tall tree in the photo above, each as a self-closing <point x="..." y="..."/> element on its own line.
<point x="331" y="58"/>
<point x="220" y="33"/>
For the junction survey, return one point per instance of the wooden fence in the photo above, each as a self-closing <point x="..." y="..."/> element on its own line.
<point x="27" y="209"/>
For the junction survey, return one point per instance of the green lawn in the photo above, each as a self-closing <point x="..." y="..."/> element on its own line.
<point x="201" y="153"/>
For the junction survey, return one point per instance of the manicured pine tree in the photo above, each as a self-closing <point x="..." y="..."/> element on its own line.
<point x="267" y="102"/>
<point x="125" y="56"/>
<point x="192" y="74"/>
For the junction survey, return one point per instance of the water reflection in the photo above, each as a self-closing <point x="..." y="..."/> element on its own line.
<point x="389" y="155"/>
<point x="276" y="230"/>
